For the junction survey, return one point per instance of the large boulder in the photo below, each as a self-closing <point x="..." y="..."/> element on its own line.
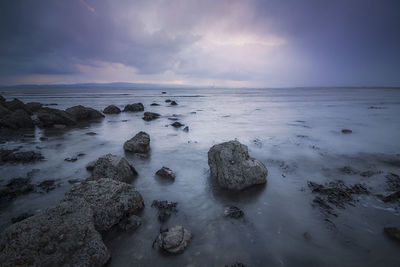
<point x="233" y="168"/>
<point x="140" y="143"/>
<point x="84" y="113"/>
<point x="16" y="104"/>
<point x="60" y="236"/>
<point x="134" y="107"/>
<point x="48" y="117"/>
<point x="110" y="200"/>
<point x="16" y="120"/>
<point x="112" y="109"/>
<point x="113" y="167"/>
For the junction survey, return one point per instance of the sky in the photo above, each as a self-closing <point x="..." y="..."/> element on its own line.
<point x="234" y="43"/>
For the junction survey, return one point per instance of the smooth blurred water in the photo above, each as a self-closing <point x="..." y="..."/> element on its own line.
<point x="295" y="132"/>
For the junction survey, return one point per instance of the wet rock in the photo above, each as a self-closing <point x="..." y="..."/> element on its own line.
<point x="33" y="106"/>
<point x="47" y="185"/>
<point x="168" y="101"/>
<point x="393" y="182"/>
<point x="140" y="143"/>
<point x="134" y="107"/>
<point x="60" y="236"/>
<point x="233" y="212"/>
<point x="348" y="170"/>
<point x="233" y="168"/>
<point x="149" y="116"/>
<point x="174" y="240"/>
<point x="21" y="217"/>
<point x="73" y="159"/>
<point x="17" y="120"/>
<point x="173" y="103"/>
<point x="346" y="131"/>
<point x="165" y="209"/>
<point x="110" y="200"/>
<point x="130" y="223"/>
<point x="15" y="188"/>
<point x="392" y="197"/>
<point x="166" y="172"/>
<point x="112" y="109"/>
<point x="48" y="117"/>
<point x="15" y="105"/>
<point x="177" y="124"/>
<point x="3" y="110"/>
<point x="336" y="193"/>
<point x="173" y="119"/>
<point x="237" y="264"/>
<point x="186" y="129"/>
<point x="81" y="113"/>
<point x="113" y="167"/>
<point x="11" y="156"/>
<point x="154" y="104"/>
<point x="163" y="93"/>
<point x="91" y="133"/>
<point x="393" y="232"/>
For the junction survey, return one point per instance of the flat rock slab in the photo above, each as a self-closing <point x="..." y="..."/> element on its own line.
<point x="233" y="168"/>
<point x="110" y="200"/>
<point x="60" y="236"/>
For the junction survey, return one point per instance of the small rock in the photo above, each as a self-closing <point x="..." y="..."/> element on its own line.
<point x="168" y="101"/>
<point x="73" y="159"/>
<point x="186" y="129"/>
<point x="393" y="232"/>
<point x="346" y="131"/>
<point x="174" y="240"/>
<point x="149" y="116"/>
<point x="177" y="124"/>
<point x="233" y="212"/>
<point x="163" y="93"/>
<point x="173" y="103"/>
<point x="154" y="104"/>
<point x="140" y="143"/>
<point x="166" y="172"/>
<point x="173" y="119"/>
<point x="91" y="133"/>
<point x="47" y="185"/>
<point x="112" y="109"/>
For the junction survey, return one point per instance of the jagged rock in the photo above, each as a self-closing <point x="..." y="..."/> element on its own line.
<point x="60" y="236"/>
<point x="140" y="143"/>
<point x="48" y="117"/>
<point x="233" y="212"/>
<point x="113" y="167"/>
<point x="12" y="156"/>
<point x="233" y="168"/>
<point x="112" y="109"/>
<point x="149" y="116"/>
<point x="84" y="113"/>
<point x="17" y="120"/>
<point x="110" y="200"/>
<point x="134" y="107"/>
<point x="33" y="106"/>
<point x="166" y="172"/>
<point x="174" y="240"/>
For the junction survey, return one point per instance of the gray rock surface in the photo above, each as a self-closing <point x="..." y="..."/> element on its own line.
<point x="110" y="200"/>
<point x="60" y="236"/>
<point x="233" y="168"/>
<point x="48" y="117"/>
<point x="84" y="113"/>
<point x="33" y="106"/>
<point x="134" y="107"/>
<point x="140" y="143"/>
<point x="15" y="105"/>
<point x="16" y="120"/>
<point x="112" y="109"/>
<point x="113" y="167"/>
<point x="149" y="116"/>
<point x="174" y="240"/>
<point x="166" y="172"/>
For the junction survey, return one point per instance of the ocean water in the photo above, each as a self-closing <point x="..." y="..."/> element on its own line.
<point x="295" y="132"/>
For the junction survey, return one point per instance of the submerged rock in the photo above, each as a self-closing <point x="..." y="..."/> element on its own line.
<point x="110" y="200"/>
<point x="149" y="116"/>
<point x="186" y="129"/>
<point x="113" y="167"/>
<point x="140" y="143"/>
<point x="166" y="172"/>
<point x="130" y="223"/>
<point x="168" y="101"/>
<point x="237" y="264"/>
<point x="233" y="168"/>
<point x="233" y="212"/>
<point x="173" y="103"/>
<point x="393" y="232"/>
<point x="84" y="113"/>
<point x="174" y="240"/>
<point x="112" y="109"/>
<point x="16" y="120"/>
<point x="48" y="117"/>
<point x="346" y="131"/>
<point x="177" y="124"/>
<point x="16" y="187"/>
<point x="154" y="104"/>
<point x="11" y="156"/>
<point x="60" y="236"/>
<point x="165" y="209"/>
<point x="47" y="185"/>
<point x="134" y="107"/>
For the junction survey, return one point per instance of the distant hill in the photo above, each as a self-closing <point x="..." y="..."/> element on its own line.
<point x="100" y="85"/>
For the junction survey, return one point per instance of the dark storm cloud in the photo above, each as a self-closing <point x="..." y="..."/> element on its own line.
<point x="291" y="42"/>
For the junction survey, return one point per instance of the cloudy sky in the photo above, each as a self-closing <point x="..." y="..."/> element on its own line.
<point x="265" y="43"/>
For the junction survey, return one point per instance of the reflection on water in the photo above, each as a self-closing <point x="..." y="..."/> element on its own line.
<point x="295" y="132"/>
